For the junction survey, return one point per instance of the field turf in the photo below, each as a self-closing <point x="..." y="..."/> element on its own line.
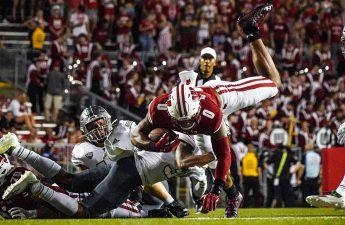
<point x="303" y="216"/>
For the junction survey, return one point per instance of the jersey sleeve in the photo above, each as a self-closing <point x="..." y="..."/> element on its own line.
<point x="79" y="156"/>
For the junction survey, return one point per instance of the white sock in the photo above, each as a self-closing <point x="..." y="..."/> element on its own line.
<point x="60" y="201"/>
<point x="341" y="188"/>
<point x="43" y="165"/>
<point x="169" y="200"/>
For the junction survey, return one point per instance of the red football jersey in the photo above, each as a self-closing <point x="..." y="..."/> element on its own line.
<point x="210" y="113"/>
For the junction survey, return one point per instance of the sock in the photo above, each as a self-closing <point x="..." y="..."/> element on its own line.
<point x="127" y="210"/>
<point x="43" y="165"/>
<point x="341" y="188"/>
<point x="197" y="188"/>
<point x="231" y="192"/>
<point x="169" y="200"/>
<point x="60" y="201"/>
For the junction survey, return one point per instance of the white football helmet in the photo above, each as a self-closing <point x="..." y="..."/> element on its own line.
<point x="5" y="167"/>
<point x="184" y="106"/>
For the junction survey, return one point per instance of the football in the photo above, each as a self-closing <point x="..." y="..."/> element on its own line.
<point x="157" y="133"/>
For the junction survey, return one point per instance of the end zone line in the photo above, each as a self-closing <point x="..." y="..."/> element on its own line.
<point x="272" y="218"/>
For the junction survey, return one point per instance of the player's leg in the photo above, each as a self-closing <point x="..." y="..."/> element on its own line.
<point x="28" y="181"/>
<point x="336" y="199"/>
<point x="85" y="181"/>
<point x="113" y="190"/>
<point x="159" y="190"/>
<point x="234" y="198"/>
<point x="248" y="27"/>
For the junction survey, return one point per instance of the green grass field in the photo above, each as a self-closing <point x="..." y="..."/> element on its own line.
<point x="304" y="216"/>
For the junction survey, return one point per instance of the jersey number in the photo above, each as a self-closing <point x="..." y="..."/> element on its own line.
<point x="169" y="172"/>
<point x="208" y="114"/>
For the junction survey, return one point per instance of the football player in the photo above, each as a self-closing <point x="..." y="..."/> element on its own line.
<point x="90" y="153"/>
<point x="200" y="110"/>
<point x="24" y="204"/>
<point x="109" y="184"/>
<point x="337" y="197"/>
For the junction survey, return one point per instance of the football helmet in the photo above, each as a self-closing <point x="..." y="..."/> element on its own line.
<point x="95" y="123"/>
<point x="5" y="167"/>
<point x="184" y="106"/>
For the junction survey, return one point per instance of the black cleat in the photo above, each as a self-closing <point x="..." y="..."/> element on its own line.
<point x="177" y="210"/>
<point x="159" y="213"/>
<point x="232" y="205"/>
<point x="249" y="23"/>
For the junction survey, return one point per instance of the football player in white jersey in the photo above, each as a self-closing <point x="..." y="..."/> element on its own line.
<point x="337" y="197"/>
<point x="90" y="153"/>
<point x="109" y="184"/>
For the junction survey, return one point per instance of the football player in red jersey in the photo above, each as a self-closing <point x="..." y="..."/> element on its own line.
<point x="200" y="110"/>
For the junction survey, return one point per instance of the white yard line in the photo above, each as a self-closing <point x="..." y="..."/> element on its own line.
<point x="273" y="218"/>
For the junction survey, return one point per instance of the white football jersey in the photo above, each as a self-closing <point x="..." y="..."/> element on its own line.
<point x="152" y="166"/>
<point x="88" y="155"/>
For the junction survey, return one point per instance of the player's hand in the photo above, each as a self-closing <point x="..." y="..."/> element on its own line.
<point x="210" y="202"/>
<point x="167" y="143"/>
<point x="341" y="134"/>
<point x="20" y="213"/>
<point x="211" y="199"/>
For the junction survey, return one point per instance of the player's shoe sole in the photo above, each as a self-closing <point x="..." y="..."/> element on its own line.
<point x="18" y="187"/>
<point x="7" y="142"/>
<point x="327" y="201"/>
<point x="256" y="16"/>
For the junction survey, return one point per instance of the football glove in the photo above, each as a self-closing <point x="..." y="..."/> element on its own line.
<point x="167" y="143"/>
<point x="211" y="199"/>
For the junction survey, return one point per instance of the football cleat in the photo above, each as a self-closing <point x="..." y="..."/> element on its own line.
<point x="250" y="22"/>
<point x="333" y="200"/>
<point x="8" y="142"/>
<point x="177" y="210"/>
<point x="232" y="205"/>
<point x="20" y="186"/>
<point x="198" y="205"/>
<point x="159" y="213"/>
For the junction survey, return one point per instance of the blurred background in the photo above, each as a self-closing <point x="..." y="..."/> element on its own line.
<point x="59" y="56"/>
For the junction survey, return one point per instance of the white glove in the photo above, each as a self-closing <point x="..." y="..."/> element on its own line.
<point x="20" y="213"/>
<point x="341" y="134"/>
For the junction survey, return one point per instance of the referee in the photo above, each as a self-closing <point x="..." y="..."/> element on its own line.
<point x="207" y="69"/>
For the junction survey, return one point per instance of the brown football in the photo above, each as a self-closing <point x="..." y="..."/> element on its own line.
<point x="157" y="133"/>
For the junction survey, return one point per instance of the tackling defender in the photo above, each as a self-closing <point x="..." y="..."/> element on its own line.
<point x="90" y="153"/>
<point x="109" y="185"/>
<point x="200" y="110"/>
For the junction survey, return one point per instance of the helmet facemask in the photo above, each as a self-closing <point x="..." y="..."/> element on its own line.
<point x="95" y="123"/>
<point x="98" y="130"/>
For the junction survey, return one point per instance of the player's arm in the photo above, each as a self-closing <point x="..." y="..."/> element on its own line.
<point x="263" y="62"/>
<point x="186" y="159"/>
<point x="221" y="148"/>
<point x="140" y="135"/>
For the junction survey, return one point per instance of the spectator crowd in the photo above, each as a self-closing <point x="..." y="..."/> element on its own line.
<point x="155" y="39"/>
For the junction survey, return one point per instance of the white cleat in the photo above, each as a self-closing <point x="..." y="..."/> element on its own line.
<point x="8" y="141"/>
<point x="18" y="187"/>
<point x="328" y="201"/>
